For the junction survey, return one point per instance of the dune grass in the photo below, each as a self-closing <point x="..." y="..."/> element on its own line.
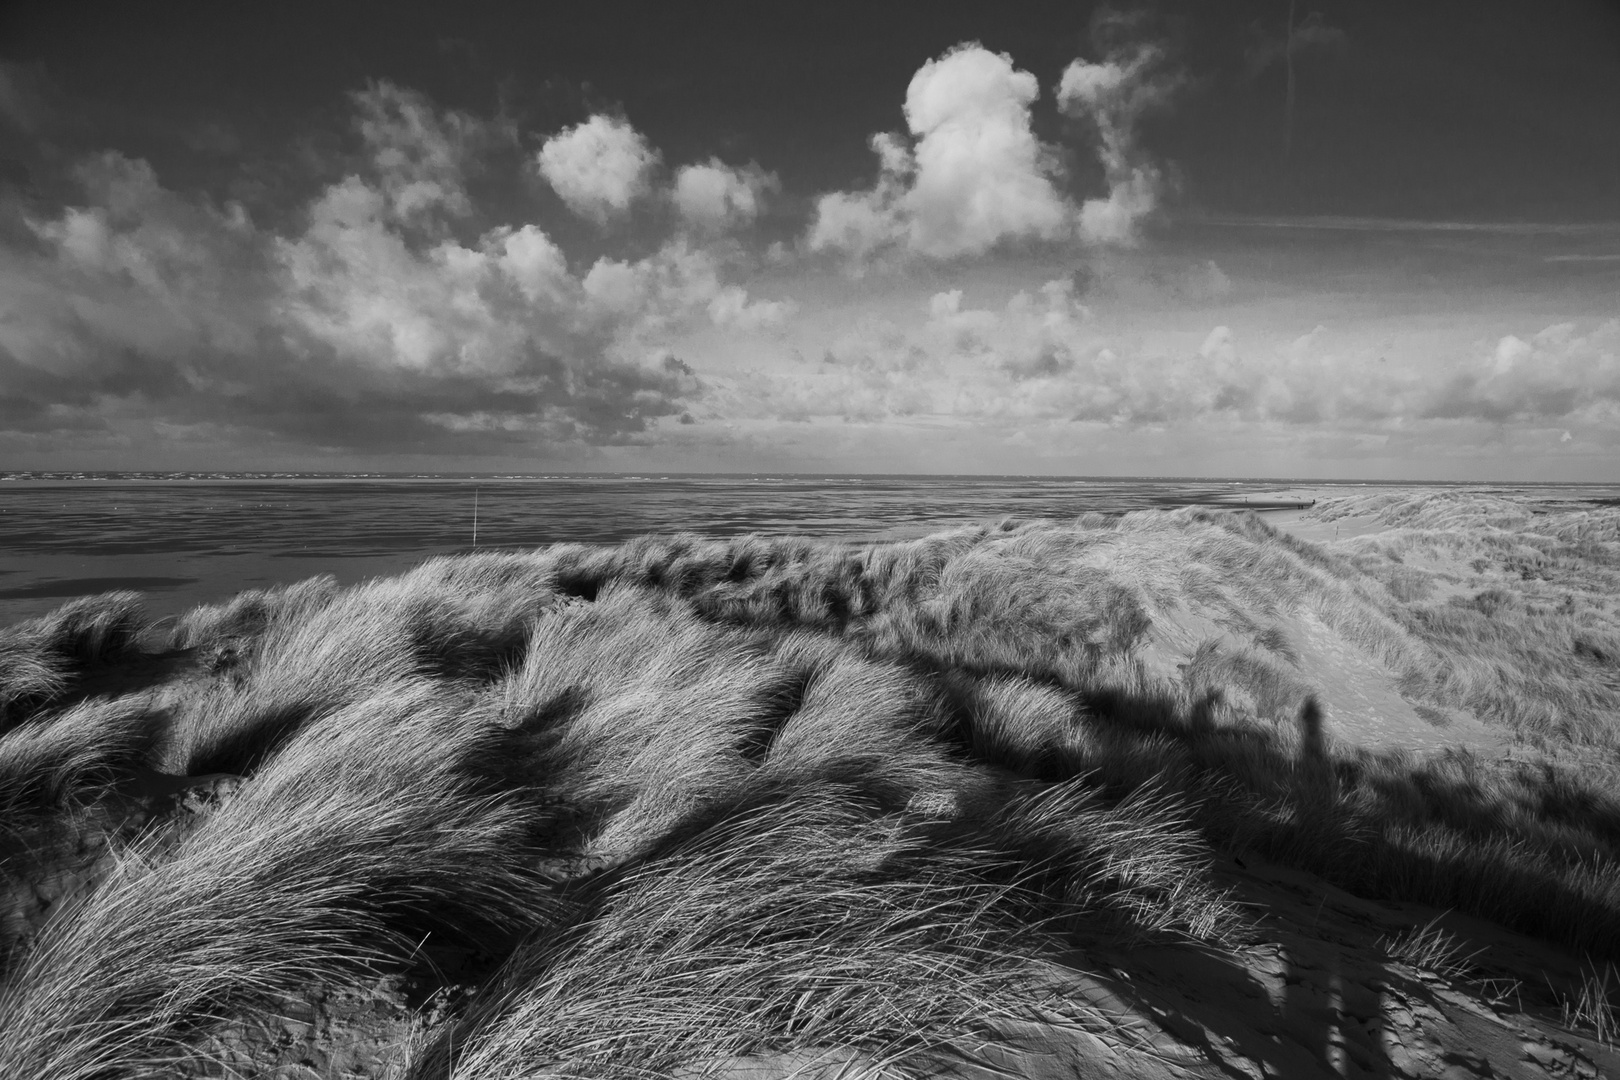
<point x="697" y="801"/>
<point x="365" y="833"/>
<point x="50" y="763"/>
<point x="41" y="659"/>
<point x="319" y="651"/>
<point x="1519" y="607"/>
<point x="812" y="917"/>
<point x="795" y="927"/>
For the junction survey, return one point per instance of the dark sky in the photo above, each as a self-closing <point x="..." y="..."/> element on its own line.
<point x="1494" y="109"/>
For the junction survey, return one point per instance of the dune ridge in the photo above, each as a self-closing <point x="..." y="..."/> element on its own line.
<point x="1164" y="794"/>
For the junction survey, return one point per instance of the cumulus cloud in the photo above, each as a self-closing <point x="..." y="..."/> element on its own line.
<point x="732" y="307"/>
<point x="862" y="223"/>
<point x="716" y="196"/>
<point x="1112" y="95"/>
<point x="197" y="267"/>
<point x="974" y="174"/>
<point x="1005" y="364"/>
<point x="648" y="297"/>
<point x="599" y="167"/>
<point x="980" y="173"/>
<point x="381" y="319"/>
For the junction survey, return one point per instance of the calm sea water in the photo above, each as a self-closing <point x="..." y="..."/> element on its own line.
<point x="190" y="539"/>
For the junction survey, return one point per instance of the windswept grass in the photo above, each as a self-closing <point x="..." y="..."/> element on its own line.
<point x="50" y="763"/>
<point x="799" y="926"/>
<point x="324" y="653"/>
<point x="366" y="832"/>
<point x="815" y="924"/>
<point x="1592" y="1008"/>
<point x="702" y="802"/>
<point x="42" y="658"/>
<point x="1518" y="607"/>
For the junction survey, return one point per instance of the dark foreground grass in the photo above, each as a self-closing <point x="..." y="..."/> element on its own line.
<point x="692" y="802"/>
<point x="41" y="659"/>
<point x="364" y="834"/>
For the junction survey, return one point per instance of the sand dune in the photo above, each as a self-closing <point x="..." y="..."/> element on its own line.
<point x="1197" y="793"/>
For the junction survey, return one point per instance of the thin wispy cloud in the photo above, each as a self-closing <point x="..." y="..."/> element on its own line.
<point x="1113" y="95"/>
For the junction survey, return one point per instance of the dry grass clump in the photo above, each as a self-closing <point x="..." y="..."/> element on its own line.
<point x="1592" y="1007"/>
<point x="1274" y="691"/>
<point x="366" y="832"/>
<point x="636" y="713"/>
<point x="50" y="763"/>
<point x="1431" y="948"/>
<point x="40" y="659"/>
<point x="326" y="652"/>
<point x="223" y="630"/>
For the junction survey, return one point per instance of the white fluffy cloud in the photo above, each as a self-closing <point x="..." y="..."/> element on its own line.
<point x="382" y="319"/>
<point x="654" y="295"/>
<point x="862" y="223"/>
<point x="715" y="196"/>
<point x="980" y="174"/>
<point x="973" y="176"/>
<point x="599" y="167"/>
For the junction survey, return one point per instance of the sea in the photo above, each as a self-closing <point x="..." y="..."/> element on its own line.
<point x="183" y="539"/>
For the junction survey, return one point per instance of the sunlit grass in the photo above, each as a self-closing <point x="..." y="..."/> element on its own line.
<point x="695" y="801"/>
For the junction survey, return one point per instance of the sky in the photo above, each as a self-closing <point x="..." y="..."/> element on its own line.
<point x="1355" y="238"/>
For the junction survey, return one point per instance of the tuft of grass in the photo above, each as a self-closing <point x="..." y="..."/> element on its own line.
<point x="1430" y="948"/>
<point x="365" y="833"/>
<point x="42" y="658"/>
<point x="52" y="763"/>
<point x="1592" y="1007"/>
<point x="225" y="633"/>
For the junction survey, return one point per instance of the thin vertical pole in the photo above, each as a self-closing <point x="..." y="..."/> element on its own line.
<point x="475" y="515"/>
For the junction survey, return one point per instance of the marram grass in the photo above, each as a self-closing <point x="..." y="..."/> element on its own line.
<point x="689" y="803"/>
